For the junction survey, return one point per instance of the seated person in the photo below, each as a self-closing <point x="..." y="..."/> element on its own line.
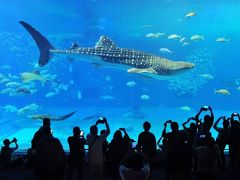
<point x="134" y="166"/>
<point x="7" y="151"/>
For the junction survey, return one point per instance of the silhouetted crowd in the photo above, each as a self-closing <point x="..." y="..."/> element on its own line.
<point x="183" y="154"/>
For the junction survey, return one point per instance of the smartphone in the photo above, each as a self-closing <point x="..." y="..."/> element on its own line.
<point x="121" y="129"/>
<point x="134" y="145"/>
<point x="51" y="131"/>
<point x="100" y="118"/>
<point x="205" y="107"/>
<point x="202" y="136"/>
<point x="81" y="133"/>
<point x="235" y="114"/>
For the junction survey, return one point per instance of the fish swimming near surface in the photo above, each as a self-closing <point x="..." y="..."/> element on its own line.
<point x="52" y="117"/>
<point x="109" y="54"/>
<point x="222" y="91"/>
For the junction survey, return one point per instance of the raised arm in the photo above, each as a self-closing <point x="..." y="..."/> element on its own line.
<point x="107" y="126"/>
<point x="16" y="144"/>
<point x="198" y="114"/>
<point x="216" y="124"/>
<point x="163" y="134"/>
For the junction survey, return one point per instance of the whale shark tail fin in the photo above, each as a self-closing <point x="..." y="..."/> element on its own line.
<point x="43" y="44"/>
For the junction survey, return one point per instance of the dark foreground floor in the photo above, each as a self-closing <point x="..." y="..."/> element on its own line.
<point x="23" y="173"/>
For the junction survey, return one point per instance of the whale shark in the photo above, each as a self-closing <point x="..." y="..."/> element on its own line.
<point x="107" y="53"/>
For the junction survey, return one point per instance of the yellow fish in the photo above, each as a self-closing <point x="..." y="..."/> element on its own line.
<point x="190" y="14"/>
<point x="32" y="76"/>
<point x="222" y="39"/>
<point x="222" y="91"/>
<point x="196" y="37"/>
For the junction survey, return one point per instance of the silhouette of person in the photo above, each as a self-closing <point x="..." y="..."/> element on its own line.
<point x="95" y="149"/>
<point x="50" y="156"/>
<point x="77" y="152"/>
<point x="208" y="119"/>
<point x="205" y="153"/>
<point x="147" y="141"/>
<point x="7" y="151"/>
<point x="191" y="131"/>
<point x="222" y="139"/>
<point x="117" y="148"/>
<point x="172" y="141"/>
<point x="134" y="166"/>
<point x="234" y="141"/>
<point x="40" y="133"/>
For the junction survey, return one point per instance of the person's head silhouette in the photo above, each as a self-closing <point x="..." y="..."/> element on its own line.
<point x="76" y="131"/>
<point x="174" y="127"/>
<point x="117" y="135"/>
<point x="146" y="126"/>
<point x="94" y="130"/>
<point x="46" y="122"/>
<point x="6" y="142"/>
<point x="225" y="123"/>
<point x="193" y="127"/>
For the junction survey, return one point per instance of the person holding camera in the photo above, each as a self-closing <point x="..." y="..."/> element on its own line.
<point x="208" y="119"/>
<point x="191" y="131"/>
<point x="178" y="152"/>
<point x="117" y="148"/>
<point x="222" y="139"/>
<point x="7" y="152"/>
<point x="95" y="150"/>
<point x="77" y="152"/>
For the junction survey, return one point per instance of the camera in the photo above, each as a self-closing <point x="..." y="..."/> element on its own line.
<point x="121" y="129"/>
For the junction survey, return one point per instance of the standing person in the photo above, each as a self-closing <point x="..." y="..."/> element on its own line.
<point x="39" y="135"/>
<point x="77" y="152"/>
<point x="208" y="119"/>
<point x="7" y="151"/>
<point x="117" y="148"/>
<point x="50" y="157"/>
<point x="222" y="139"/>
<point x="234" y="141"/>
<point x="147" y="141"/>
<point x="134" y="166"/>
<point x="95" y="149"/>
<point x="191" y="131"/>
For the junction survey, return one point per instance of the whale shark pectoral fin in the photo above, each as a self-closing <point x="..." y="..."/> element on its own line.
<point x="142" y="70"/>
<point x="105" y="42"/>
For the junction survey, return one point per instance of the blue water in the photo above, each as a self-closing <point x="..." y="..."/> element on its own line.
<point x="95" y="91"/>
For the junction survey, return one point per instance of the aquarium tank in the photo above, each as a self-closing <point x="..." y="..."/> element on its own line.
<point x="130" y="61"/>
